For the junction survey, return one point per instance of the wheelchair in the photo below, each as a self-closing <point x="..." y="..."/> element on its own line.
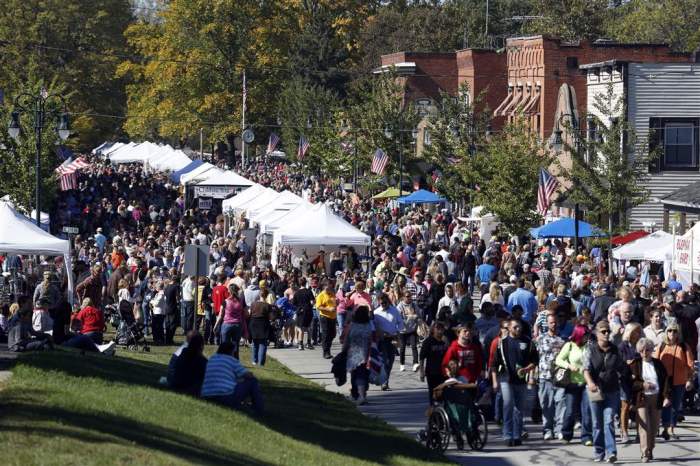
<point x="446" y="421"/>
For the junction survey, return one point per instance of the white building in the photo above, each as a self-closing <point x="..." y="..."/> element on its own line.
<point x="662" y="105"/>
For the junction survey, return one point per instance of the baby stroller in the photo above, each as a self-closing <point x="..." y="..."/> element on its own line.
<point x="276" y="326"/>
<point x="130" y="333"/>
<point x="458" y="414"/>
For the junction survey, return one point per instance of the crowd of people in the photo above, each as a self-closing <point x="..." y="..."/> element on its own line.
<point x="540" y="329"/>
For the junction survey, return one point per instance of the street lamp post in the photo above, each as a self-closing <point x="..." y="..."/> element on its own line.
<point x="43" y="105"/>
<point x="389" y="133"/>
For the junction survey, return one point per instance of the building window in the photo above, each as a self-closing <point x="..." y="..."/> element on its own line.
<point x="679" y="145"/>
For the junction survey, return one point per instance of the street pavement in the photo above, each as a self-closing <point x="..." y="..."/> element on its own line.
<point x="405" y="405"/>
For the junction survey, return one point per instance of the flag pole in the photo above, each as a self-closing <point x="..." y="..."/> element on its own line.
<point x="245" y="95"/>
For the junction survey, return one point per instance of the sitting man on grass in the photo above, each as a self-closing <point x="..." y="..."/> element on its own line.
<point x="227" y="382"/>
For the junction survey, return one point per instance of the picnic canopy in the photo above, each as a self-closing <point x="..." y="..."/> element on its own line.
<point x="421" y="196"/>
<point x="655" y="247"/>
<point x="20" y="235"/>
<point x="226" y="178"/>
<point x="564" y="228"/>
<point x="175" y="176"/>
<point x="390" y="193"/>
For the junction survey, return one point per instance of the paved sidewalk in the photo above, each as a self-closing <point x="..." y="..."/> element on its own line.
<point x="405" y="405"/>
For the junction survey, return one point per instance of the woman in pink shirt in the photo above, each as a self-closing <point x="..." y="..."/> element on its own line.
<point x="232" y="320"/>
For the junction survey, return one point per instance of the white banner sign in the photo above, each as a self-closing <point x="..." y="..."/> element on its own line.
<point x="217" y="192"/>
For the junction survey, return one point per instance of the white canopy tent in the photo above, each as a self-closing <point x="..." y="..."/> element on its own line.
<point x="257" y="202"/>
<point x="187" y="177"/>
<point x="284" y="199"/>
<point x="169" y="159"/>
<point x="139" y="153"/>
<point x="19" y="235"/>
<point x="226" y="178"/>
<point x="228" y="205"/>
<point x="280" y="218"/>
<point x="655" y="247"/>
<point x="117" y="148"/>
<point x="202" y="175"/>
<point x="318" y="227"/>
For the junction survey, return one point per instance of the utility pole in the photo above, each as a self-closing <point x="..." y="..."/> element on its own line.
<point x="201" y="143"/>
<point x="245" y="96"/>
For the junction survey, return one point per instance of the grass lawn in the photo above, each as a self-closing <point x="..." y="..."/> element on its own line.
<point x="64" y="408"/>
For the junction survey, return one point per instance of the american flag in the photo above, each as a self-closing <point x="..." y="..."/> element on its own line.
<point x="66" y="172"/>
<point x="272" y="143"/>
<point x="379" y="161"/>
<point x="303" y="147"/>
<point x="547" y="185"/>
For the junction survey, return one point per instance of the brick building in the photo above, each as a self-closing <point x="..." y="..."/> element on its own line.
<point x="425" y="75"/>
<point x="539" y="65"/>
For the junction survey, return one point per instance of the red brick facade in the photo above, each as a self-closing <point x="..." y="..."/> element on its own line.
<point x="532" y="67"/>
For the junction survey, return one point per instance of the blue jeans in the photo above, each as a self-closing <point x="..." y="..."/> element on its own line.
<point x="669" y="414"/>
<point x="551" y="401"/>
<point x="146" y="313"/>
<point x="514" y="398"/>
<point x="388" y="351"/>
<point x="187" y="316"/>
<point x="248" y="387"/>
<point x="341" y="322"/>
<point x="603" y="414"/>
<point x="576" y="399"/>
<point x="259" y="351"/>
<point x="498" y="407"/>
<point x="232" y="333"/>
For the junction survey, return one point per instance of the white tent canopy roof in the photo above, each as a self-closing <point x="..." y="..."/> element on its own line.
<point x="252" y="205"/>
<point x="243" y="197"/>
<point x="188" y="177"/>
<point x="281" y="218"/>
<point x="139" y="153"/>
<point x="320" y="227"/>
<point x="657" y="247"/>
<point x="286" y="201"/>
<point x="226" y="178"/>
<point x="118" y="148"/>
<point x="19" y="235"/>
<point x="169" y="159"/>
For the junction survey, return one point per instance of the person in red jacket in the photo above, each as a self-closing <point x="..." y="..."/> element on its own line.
<point x="467" y="353"/>
<point x="89" y="321"/>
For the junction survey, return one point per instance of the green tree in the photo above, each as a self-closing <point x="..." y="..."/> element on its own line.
<point x="73" y="43"/>
<point x="380" y="119"/>
<point x="570" y="19"/>
<point x="675" y="22"/>
<point x="507" y="172"/>
<point x="609" y="171"/>
<point x="457" y="131"/>
<point x="311" y="111"/>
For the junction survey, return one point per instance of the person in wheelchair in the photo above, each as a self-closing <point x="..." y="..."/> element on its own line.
<point x="459" y="400"/>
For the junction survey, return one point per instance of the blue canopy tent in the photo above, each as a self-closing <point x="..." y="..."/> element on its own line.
<point x="564" y="228"/>
<point x="421" y="197"/>
<point x="186" y="169"/>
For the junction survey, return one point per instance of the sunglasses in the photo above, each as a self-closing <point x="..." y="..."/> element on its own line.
<point x="671" y="330"/>
<point x="604" y="332"/>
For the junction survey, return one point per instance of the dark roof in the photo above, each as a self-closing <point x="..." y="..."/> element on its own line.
<point x="687" y="196"/>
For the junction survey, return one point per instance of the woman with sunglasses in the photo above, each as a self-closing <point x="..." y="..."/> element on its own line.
<point x="677" y="359"/>
<point x="650" y="391"/>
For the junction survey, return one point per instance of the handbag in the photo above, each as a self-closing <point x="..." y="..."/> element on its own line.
<point x="422" y="329"/>
<point x="561" y="377"/>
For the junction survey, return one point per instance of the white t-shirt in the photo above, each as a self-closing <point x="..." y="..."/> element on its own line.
<point x="649" y="375"/>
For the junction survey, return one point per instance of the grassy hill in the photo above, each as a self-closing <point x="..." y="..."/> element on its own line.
<point x="64" y="408"/>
